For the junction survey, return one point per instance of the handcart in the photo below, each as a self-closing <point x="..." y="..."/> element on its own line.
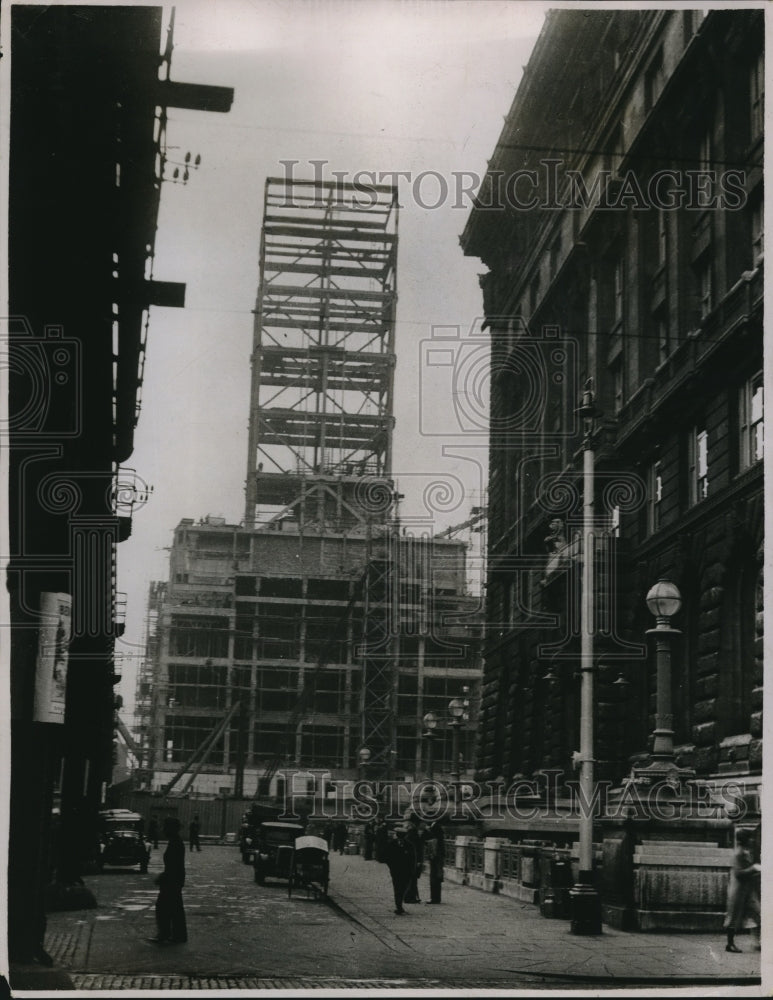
<point x="310" y="866"/>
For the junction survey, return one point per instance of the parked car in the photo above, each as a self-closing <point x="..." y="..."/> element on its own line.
<point x="273" y="850"/>
<point x="122" y="841"/>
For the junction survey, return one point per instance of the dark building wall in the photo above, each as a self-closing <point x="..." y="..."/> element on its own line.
<point x="663" y="310"/>
<point x="84" y="184"/>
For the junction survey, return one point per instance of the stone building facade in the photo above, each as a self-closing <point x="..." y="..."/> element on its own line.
<point x="620" y="221"/>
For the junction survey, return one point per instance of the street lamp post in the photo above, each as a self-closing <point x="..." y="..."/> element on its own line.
<point x="457" y="709"/>
<point x="586" y="901"/>
<point x="430" y="724"/>
<point x="663" y="601"/>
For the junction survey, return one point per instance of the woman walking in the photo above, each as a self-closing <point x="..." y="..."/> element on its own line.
<point x="743" y="893"/>
<point x="170" y="913"/>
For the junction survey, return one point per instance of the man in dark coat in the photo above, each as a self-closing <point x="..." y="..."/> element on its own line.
<point x="401" y="861"/>
<point x="380" y="839"/>
<point x="170" y="914"/>
<point x="434" y="855"/>
<point x="413" y="836"/>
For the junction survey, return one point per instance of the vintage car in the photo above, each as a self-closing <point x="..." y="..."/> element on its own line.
<point x="121" y="840"/>
<point x="273" y="850"/>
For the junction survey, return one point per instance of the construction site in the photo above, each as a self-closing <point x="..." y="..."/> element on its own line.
<point x="318" y="640"/>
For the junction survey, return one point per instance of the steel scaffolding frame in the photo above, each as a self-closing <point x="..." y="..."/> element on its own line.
<point x="323" y="342"/>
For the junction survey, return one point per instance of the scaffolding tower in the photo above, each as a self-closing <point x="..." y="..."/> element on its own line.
<point x="323" y="350"/>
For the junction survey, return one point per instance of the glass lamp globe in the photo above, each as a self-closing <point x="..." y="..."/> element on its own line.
<point x="664" y="599"/>
<point x="456" y="708"/>
<point x="429" y="720"/>
<point x="364" y="755"/>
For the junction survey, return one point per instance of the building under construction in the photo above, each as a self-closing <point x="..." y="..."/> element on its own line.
<point x="315" y="635"/>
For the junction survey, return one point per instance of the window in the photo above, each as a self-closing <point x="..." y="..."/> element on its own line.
<point x="705" y="150"/>
<point x="698" y="465"/>
<point x="618" y="386"/>
<point x="751" y="422"/>
<point x="198" y="636"/>
<point x="758" y="232"/>
<point x="654" y="80"/>
<point x="757" y="96"/>
<point x="662" y="236"/>
<point x="613" y="158"/>
<point x="619" y="289"/>
<point x="663" y="335"/>
<point x="534" y="293"/>
<point x="654" y="497"/>
<point x="555" y="256"/>
<point x="707" y="189"/>
<point x="705" y="286"/>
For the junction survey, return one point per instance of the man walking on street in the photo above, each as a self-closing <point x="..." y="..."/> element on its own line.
<point x="401" y="861"/>
<point x="170" y="913"/>
<point x="193" y="833"/>
<point x="434" y="855"/>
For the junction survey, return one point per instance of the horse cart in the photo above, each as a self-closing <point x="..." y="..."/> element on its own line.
<point x="310" y="866"/>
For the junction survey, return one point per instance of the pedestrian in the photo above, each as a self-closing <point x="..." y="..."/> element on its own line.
<point x="339" y="837"/>
<point x="170" y="913"/>
<point x="743" y="891"/>
<point x="400" y="858"/>
<point x="367" y="840"/>
<point x="413" y="837"/>
<point x="380" y="839"/>
<point x="328" y="834"/>
<point x="193" y="833"/>
<point x="153" y="831"/>
<point x="434" y="856"/>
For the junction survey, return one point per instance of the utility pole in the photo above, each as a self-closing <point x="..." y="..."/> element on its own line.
<point x="586" y="901"/>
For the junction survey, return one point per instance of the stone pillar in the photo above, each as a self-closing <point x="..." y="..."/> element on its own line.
<point x="461" y="865"/>
<point x="530" y="878"/>
<point x="492" y="869"/>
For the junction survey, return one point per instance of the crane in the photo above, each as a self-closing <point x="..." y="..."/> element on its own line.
<point x="476" y="514"/>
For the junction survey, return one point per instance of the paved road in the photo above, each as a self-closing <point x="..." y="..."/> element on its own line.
<point x="245" y="936"/>
<point x="240" y="934"/>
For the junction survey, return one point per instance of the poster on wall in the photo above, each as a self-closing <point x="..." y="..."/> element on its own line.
<point x="51" y="665"/>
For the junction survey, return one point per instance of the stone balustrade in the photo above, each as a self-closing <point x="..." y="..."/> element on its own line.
<point x="675" y="884"/>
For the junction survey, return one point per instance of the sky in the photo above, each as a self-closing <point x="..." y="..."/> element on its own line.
<point x="405" y="85"/>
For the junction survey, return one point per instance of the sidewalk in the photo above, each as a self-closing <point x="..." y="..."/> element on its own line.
<point x="246" y="937"/>
<point x="516" y="938"/>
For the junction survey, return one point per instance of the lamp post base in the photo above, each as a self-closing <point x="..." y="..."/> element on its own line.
<point x="584" y="908"/>
<point x="662" y="772"/>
